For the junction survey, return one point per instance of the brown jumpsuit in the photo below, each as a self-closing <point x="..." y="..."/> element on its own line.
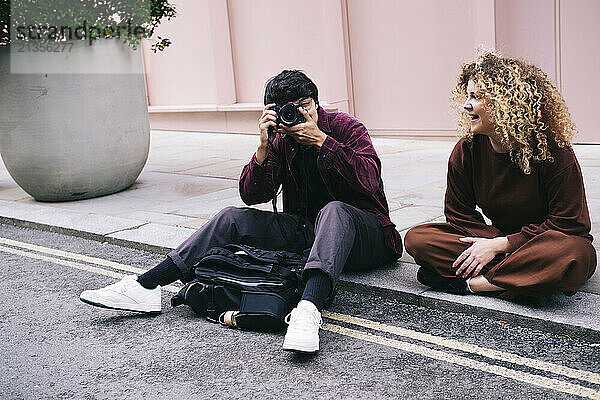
<point x="544" y="215"/>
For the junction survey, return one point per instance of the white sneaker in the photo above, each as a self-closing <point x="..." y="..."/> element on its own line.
<point x="303" y="331"/>
<point x="127" y="294"/>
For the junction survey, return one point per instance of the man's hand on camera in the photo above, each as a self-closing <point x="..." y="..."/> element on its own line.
<point x="267" y="119"/>
<point x="306" y="133"/>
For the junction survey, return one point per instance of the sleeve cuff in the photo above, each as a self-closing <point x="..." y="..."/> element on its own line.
<point x="330" y="146"/>
<point x="515" y="241"/>
<point x="255" y="165"/>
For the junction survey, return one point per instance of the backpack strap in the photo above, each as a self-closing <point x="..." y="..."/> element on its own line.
<point x="283" y="263"/>
<point x="226" y="256"/>
<point x="279" y="257"/>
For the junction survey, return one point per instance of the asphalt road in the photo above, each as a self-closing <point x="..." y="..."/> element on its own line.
<point x="54" y="346"/>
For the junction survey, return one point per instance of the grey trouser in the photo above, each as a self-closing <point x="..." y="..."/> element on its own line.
<point x="344" y="238"/>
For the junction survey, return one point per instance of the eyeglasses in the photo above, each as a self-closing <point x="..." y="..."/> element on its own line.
<point x="305" y="103"/>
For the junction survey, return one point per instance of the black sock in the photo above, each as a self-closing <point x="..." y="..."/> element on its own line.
<point x="441" y="283"/>
<point x="163" y="274"/>
<point x="317" y="289"/>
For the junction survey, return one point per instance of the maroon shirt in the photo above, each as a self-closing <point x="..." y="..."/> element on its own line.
<point x="347" y="162"/>
<point x="519" y="206"/>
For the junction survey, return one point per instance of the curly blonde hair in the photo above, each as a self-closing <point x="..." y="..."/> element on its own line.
<point x="524" y="105"/>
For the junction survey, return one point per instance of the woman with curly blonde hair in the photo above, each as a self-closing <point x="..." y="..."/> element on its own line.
<point x="515" y="162"/>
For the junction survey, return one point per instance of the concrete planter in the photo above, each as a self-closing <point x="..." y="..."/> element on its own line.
<point x="73" y="124"/>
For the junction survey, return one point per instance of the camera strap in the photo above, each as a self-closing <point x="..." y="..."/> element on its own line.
<point x="274" y="200"/>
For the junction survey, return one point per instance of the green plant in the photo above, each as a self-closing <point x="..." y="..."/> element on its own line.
<point x="129" y="20"/>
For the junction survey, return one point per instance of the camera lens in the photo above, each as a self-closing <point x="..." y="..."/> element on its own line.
<point x="288" y="114"/>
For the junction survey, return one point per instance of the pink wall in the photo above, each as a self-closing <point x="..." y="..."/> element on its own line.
<point x="580" y="64"/>
<point x="185" y="74"/>
<point x="390" y="62"/>
<point x="559" y="36"/>
<point x="405" y="65"/>
<point x="527" y="29"/>
<point x="269" y="36"/>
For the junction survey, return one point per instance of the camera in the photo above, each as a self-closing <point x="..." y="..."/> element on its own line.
<point x="289" y="114"/>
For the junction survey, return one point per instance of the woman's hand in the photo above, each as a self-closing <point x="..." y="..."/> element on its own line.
<point x="482" y="251"/>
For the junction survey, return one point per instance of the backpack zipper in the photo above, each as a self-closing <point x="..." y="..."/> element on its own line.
<point x="239" y="282"/>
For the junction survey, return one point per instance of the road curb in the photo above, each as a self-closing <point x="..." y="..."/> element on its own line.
<point x="554" y="327"/>
<point x="84" y="235"/>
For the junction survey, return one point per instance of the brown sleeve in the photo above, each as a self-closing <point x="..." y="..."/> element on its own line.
<point x="459" y="203"/>
<point x="567" y="206"/>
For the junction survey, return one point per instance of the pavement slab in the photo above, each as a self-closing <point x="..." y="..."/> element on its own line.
<point x="159" y="218"/>
<point x="76" y="221"/>
<point x="177" y="187"/>
<point x="13" y="193"/>
<point x="591" y="177"/>
<point x="154" y="234"/>
<point x="409" y="216"/>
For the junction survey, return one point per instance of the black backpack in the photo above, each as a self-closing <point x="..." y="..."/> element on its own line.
<point x="246" y="287"/>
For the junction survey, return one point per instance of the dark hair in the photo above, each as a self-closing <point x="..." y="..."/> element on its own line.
<point x="290" y="85"/>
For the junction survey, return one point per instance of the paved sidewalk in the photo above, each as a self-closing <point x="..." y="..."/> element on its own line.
<point x="189" y="177"/>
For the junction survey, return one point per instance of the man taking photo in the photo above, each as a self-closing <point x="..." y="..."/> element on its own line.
<point x="333" y="204"/>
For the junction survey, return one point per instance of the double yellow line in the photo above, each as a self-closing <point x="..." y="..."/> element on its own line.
<point x="29" y="250"/>
<point x="82" y="262"/>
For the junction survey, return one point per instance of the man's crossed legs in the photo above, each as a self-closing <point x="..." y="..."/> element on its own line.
<point x="343" y="238"/>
